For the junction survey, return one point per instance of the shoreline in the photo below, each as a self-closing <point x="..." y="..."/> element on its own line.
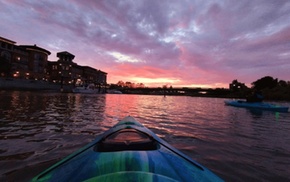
<point x="11" y="84"/>
<point x="32" y="85"/>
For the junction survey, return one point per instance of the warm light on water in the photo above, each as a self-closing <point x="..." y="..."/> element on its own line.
<point x="37" y="129"/>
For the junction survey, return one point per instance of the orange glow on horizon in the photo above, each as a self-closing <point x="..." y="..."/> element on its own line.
<point x="160" y="82"/>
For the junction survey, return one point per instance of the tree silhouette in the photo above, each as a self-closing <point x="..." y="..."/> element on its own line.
<point x="265" y="82"/>
<point x="236" y="86"/>
<point x="282" y="83"/>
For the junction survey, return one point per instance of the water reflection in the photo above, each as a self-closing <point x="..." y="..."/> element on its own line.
<point x="49" y="126"/>
<point x="23" y="111"/>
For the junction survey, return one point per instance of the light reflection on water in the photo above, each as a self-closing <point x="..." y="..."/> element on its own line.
<point x="37" y="129"/>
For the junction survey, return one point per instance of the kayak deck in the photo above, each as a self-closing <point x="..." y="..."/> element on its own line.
<point x="127" y="152"/>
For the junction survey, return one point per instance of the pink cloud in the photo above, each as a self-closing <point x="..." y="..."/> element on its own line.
<point x="194" y="42"/>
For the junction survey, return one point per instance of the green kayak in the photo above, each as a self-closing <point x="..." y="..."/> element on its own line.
<point x="127" y="152"/>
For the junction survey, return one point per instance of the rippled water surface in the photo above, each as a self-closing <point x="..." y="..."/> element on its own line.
<point x="37" y="129"/>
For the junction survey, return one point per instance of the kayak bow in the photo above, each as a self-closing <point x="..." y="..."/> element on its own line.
<point x="127" y="152"/>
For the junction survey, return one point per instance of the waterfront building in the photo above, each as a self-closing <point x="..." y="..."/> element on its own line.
<point x="61" y="71"/>
<point x="102" y="77"/>
<point x="77" y="74"/>
<point x="65" y="71"/>
<point x="20" y="63"/>
<point x="36" y="61"/>
<point x="90" y="75"/>
<point x="84" y="75"/>
<point x="6" y="54"/>
<point x="23" y="61"/>
<point x="31" y="62"/>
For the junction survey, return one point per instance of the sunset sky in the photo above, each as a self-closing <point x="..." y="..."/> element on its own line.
<point x="192" y="43"/>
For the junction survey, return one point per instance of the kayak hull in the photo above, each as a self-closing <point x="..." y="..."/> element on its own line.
<point x="96" y="163"/>
<point x="257" y="105"/>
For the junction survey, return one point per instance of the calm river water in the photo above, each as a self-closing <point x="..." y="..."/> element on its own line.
<point x="37" y="129"/>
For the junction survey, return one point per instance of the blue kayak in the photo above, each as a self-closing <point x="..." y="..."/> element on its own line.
<point x="257" y="105"/>
<point x="127" y="152"/>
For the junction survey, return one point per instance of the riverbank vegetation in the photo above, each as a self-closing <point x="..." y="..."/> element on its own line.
<point x="272" y="89"/>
